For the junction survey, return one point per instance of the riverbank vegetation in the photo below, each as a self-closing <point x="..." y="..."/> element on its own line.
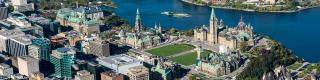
<point x="267" y="60"/>
<point x="57" y="4"/>
<point x="246" y="5"/>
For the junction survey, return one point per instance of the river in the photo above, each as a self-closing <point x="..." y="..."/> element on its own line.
<point x="299" y="31"/>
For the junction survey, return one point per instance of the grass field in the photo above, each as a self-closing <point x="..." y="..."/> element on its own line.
<point x="190" y="58"/>
<point x="170" y="49"/>
<point x="187" y="59"/>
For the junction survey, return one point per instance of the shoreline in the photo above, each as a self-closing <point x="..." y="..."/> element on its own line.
<point x="251" y="10"/>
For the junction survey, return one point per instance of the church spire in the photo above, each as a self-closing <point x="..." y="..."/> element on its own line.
<point x="138" y="21"/>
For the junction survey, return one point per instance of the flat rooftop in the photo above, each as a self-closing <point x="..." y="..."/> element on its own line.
<point x="10" y="33"/>
<point x="119" y="60"/>
<point x="25" y="39"/>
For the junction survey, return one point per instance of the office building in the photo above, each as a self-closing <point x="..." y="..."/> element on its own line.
<point x="40" y="49"/>
<point x="3" y="12"/>
<point x="119" y="63"/>
<point x="63" y="59"/>
<point x="36" y="76"/>
<point x="5" y="70"/>
<point x="84" y="75"/>
<point x="18" y="46"/>
<point x="111" y="76"/>
<point x="22" y="5"/>
<point x="138" y="73"/>
<point x="99" y="48"/>
<point x="28" y="65"/>
<point x="5" y="35"/>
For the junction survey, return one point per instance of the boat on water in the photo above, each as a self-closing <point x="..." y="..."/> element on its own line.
<point x="175" y="14"/>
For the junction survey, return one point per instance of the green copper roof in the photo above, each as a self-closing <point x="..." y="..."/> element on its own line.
<point x="138" y="15"/>
<point x="90" y="22"/>
<point x="213" y="15"/>
<point x="73" y="19"/>
<point x="162" y="71"/>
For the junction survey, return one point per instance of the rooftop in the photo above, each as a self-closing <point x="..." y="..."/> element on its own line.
<point x="88" y="10"/>
<point x="39" y="20"/>
<point x="119" y="60"/>
<point x="25" y="39"/>
<point x="28" y="58"/>
<point x="63" y="51"/>
<point x="83" y="73"/>
<point x="139" y="70"/>
<point x="10" y="33"/>
<point x="4" y="66"/>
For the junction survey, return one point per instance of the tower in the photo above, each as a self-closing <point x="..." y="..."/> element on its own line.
<point x="213" y="24"/>
<point x="199" y="51"/>
<point x="160" y="28"/>
<point x="138" y="25"/>
<point x="63" y="59"/>
<point x="40" y="49"/>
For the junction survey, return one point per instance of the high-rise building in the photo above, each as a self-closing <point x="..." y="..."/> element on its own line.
<point x="138" y="25"/>
<point x="28" y="65"/>
<point x="111" y="76"/>
<point x="5" y="70"/>
<point x="40" y="49"/>
<point x="99" y="48"/>
<point x="63" y="59"/>
<point x="138" y="73"/>
<point x="84" y="75"/>
<point x="36" y="76"/>
<point x="18" y="46"/>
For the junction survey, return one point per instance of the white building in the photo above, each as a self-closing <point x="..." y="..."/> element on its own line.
<point x="22" y="5"/>
<point x="5" y="70"/>
<point x="28" y="65"/>
<point x="119" y="63"/>
<point x="19" y="2"/>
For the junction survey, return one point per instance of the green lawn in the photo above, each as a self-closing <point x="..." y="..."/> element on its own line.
<point x="190" y="58"/>
<point x="170" y="49"/>
<point x="187" y="59"/>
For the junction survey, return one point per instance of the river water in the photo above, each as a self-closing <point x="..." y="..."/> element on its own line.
<point x="299" y="31"/>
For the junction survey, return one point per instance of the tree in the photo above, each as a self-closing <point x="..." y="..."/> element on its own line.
<point x="172" y="31"/>
<point x="243" y="46"/>
<point x="192" y="77"/>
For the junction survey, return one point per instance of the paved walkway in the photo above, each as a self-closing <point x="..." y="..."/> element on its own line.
<point x="182" y="53"/>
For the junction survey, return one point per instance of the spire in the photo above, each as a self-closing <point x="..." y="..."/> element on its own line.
<point x="241" y="18"/>
<point x="199" y="51"/>
<point x="213" y="15"/>
<point x="160" y="28"/>
<point x="155" y="26"/>
<point x="138" y="21"/>
<point x="138" y="13"/>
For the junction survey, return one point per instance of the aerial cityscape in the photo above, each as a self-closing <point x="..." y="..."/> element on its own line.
<point x="159" y="40"/>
